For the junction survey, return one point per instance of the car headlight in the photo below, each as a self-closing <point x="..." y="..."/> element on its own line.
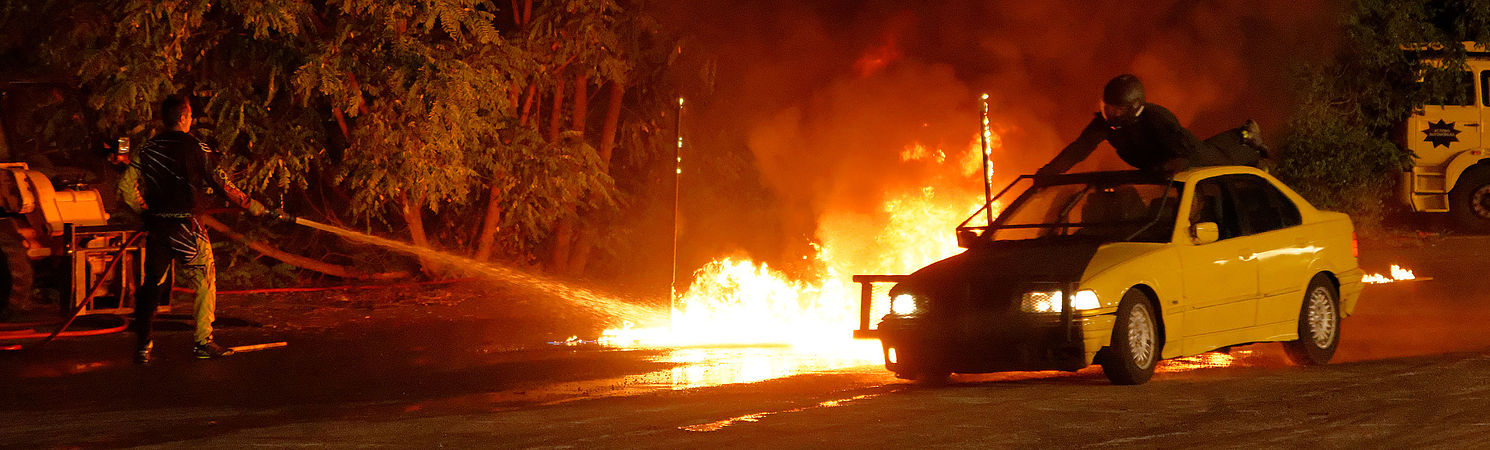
<point x="903" y="304"/>
<point x="1051" y="301"/>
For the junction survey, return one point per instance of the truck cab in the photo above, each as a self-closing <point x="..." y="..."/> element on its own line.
<point x="1451" y="172"/>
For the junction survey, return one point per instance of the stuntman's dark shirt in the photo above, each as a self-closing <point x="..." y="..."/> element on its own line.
<point x="175" y="175"/>
<point x="1154" y="139"/>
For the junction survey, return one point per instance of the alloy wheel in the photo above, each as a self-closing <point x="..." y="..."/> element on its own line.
<point x="1322" y="316"/>
<point x="1141" y="335"/>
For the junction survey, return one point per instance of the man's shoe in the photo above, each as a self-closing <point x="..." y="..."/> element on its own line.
<point x="142" y="353"/>
<point x="1252" y="136"/>
<point x="210" y="350"/>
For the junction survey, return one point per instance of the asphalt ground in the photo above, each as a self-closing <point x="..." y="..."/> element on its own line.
<point x="446" y="366"/>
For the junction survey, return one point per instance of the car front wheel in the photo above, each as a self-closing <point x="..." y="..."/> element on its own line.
<point x="1134" y="350"/>
<point x="1319" y="325"/>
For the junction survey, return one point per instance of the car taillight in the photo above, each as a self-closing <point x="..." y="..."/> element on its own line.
<point x="1355" y="246"/>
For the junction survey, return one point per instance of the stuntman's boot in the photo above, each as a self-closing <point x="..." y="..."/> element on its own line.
<point x="1252" y="136"/>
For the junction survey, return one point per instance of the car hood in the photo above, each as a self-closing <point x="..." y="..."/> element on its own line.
<point x="1003" y="268"/>
<point x="1113" y="254"/>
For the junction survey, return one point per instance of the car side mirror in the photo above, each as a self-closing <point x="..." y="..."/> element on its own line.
<point x="1204" y="233"/>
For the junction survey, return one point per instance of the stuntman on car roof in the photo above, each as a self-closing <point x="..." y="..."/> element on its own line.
<point x="1149" y="137"/>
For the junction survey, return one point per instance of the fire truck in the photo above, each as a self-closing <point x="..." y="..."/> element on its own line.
<point x="1452" y="170"/>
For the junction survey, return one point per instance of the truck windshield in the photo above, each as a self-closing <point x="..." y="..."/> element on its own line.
<point x="1448" y="88"/>
<point x="1133" y="211"/>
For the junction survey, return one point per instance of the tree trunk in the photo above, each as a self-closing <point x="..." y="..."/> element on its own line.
<point x="486" y="239"/>
<point x="587" y="235"/>
<point x="556" y="119"/>
<point x="564" y="228"/>
<point x="413" y="215"/>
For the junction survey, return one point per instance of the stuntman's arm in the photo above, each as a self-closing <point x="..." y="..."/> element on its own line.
<point x="1094" y="133"/>
<point x="129" y="187"/>
<point x="219" y="179"/>
<point x="236" y="195"/>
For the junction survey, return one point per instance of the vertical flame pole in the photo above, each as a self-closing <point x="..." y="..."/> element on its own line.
<point x="677" y="190"/>
<point x="987" y="164"/>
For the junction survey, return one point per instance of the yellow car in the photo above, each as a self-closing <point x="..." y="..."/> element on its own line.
<point x="1125" y="269"/>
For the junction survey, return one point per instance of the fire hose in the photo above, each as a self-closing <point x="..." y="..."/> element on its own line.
<point x="24" y="330"/>
<point x="83" y="305"/>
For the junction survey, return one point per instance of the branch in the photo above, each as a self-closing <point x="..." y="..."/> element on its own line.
<point x="297" y="260"/>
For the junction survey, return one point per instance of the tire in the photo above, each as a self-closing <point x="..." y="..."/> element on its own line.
<point x="1134" y="350"/>
<point x="17" y="273"/>
<point x="933" y="378"/>
<point x="1469" y="201"/>
<point x="1319" y="325"/>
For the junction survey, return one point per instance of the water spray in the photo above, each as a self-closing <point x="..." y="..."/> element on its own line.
<point x="579" y="296"/>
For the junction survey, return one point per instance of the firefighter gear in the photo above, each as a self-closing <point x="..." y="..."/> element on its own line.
<point x="170" y="180"/>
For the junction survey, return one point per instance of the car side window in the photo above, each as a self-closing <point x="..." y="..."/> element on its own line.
<point x="1262" y="207"/>
<point x="1211" y="204"/>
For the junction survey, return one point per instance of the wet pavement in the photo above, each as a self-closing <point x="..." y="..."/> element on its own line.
<point x="480" y="372"/>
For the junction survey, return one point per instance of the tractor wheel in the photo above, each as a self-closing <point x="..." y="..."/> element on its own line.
<point x="1469" y="201"/>
<point x="16" y="275"/>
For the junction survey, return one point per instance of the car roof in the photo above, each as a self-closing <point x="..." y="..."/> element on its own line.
<point x="1138" y="176"/>
<point x="1108" y="177"/>
<point x="1198" y="173"/>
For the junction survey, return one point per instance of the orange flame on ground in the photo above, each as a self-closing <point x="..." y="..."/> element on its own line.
<point x="1398" y="274"/>
<point x="740" y="302"/>
<point x="1208" y="360"/>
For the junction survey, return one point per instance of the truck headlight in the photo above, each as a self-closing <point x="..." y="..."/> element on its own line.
<point x="903" y="304"/>
<point x="1051" y="301"/>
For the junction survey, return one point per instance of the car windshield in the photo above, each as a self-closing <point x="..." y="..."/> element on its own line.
<point x="1117" y="210"/>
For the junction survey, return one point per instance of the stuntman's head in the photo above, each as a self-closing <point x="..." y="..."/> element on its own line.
<point x="175" y="112"/>
<point x="1122" y="100"/>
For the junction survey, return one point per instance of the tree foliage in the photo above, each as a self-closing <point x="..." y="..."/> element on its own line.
<point x="1341" y="150"/>
<point x="431" y="102"/>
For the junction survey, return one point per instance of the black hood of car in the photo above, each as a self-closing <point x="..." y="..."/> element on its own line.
<point x="1002" y="269"/>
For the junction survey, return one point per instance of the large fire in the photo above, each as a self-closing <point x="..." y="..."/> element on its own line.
<point x="734" y="301"/>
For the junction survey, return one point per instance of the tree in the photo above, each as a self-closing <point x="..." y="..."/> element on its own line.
<point x="393" y="109"/>
<point x="1340" y="144"/>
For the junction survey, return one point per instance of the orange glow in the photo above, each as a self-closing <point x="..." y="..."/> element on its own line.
<point x="735" y="301"/>
<point x="1398" y="274"/>
<point x="876" y="58"/>
<point x="1210" y="360"/>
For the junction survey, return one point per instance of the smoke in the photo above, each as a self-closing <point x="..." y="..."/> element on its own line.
<point x="827" y="96"/>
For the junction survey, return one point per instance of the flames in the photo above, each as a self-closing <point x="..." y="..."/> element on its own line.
<point x="1398" y="274"/>
<point x="739" y="302"/>
<point x="1208" y="360"/>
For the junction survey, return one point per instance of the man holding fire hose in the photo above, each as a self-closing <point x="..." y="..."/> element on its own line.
<point x="1150" y="138"/>
<point x="170" y="180"/>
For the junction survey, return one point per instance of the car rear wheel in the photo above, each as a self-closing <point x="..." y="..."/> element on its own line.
<point x="1319" y="325"/>
<point x="1134" y="350"/>
<point x="1469" y="201"/>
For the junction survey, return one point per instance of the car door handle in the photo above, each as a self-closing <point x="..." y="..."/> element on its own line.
<point x="1248" y="255"/>
<point x="1476" y="124"/>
